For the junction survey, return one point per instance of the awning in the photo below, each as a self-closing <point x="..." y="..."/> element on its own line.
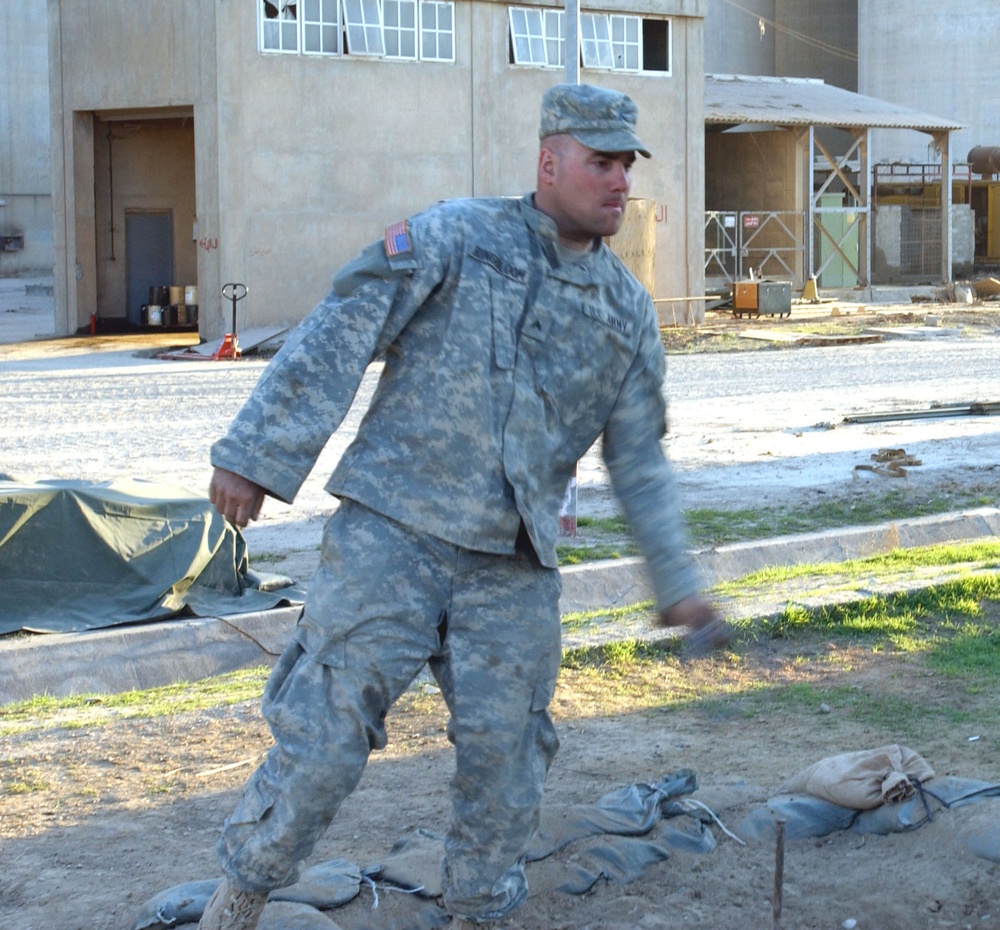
<point x="735" y="99"/>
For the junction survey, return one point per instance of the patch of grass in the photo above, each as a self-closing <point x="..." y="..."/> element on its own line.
<point x="972" y="653"/>
<point x="950" y="629"/>
<point x="617" y="656"/>
<point x="718" y="527"/>
<point x="977" y="555"/>
<point x="29" y="782"/>
<point x="578" y="555"/>
<point x="91" y="709"/>
<point x="586" y="618"/>
<point x="615" y="525"/>
<point x="893" y="713"/>
<point x="606" y="538"/>
<point x="900" y="619"/>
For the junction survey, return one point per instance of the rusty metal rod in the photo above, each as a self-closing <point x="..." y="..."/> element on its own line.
<point x="779" y="871"/>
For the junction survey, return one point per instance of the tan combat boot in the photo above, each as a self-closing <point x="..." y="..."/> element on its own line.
<point x="232" y="909"/>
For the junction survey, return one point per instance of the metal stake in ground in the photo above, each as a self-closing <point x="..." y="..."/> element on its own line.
<point x="779" y="871"/>
<point x="230" y="347"/>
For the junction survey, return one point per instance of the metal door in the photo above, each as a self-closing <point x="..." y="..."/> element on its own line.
<point x="149" y="256"/>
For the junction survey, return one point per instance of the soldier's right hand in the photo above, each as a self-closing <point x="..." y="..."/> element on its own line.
<point x="238" y="499"/>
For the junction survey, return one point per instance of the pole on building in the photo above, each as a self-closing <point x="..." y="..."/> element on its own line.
<point x="572" y="63"/>
<point x="943" y="142"/>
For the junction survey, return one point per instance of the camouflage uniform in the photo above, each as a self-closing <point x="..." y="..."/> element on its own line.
<point x="504" y="361"/>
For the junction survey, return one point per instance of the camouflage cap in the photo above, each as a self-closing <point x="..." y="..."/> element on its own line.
<point x="596" y="117"/>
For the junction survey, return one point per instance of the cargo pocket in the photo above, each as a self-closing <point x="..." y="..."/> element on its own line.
<point x="257" y="800"/>
<point x="319" y="645"/>
<point x="542" y="694"/>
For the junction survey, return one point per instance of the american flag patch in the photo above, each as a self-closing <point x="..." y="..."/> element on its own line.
<point x="397" y="238"/>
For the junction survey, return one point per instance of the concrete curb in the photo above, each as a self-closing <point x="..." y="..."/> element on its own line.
<point x="135" y="657"/>
<point x="618" y="582"/>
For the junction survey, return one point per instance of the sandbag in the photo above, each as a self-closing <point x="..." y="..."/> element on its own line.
<point x="864" y="779"/>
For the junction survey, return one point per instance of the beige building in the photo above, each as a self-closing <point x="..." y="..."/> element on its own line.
<point x="264" y="142"/>
<point x="25" y="169"/>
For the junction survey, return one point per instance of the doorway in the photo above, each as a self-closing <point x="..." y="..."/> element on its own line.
<point x="149" y="257"/>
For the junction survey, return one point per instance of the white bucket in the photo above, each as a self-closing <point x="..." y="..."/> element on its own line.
<point x="191" y="294"/>
<point x="155" y="315"/>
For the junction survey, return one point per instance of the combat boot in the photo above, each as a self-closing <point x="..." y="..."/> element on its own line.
<point x="232" y="909"/>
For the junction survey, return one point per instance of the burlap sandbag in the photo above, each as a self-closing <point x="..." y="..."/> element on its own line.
<point x="863" y="779"/>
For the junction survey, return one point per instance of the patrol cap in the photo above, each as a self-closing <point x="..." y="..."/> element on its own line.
<point x="596" y="117"/>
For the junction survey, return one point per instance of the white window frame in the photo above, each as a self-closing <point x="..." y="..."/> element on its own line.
<point x="437" y="37"/>
<point x="595" y="41"/>
<point x="284" y="27"/>
<point x="626" y="41"/>
<point x="328" y="18"/>
<point x="400" y="37"/>
<point x="608" y="41"/>
<point x="527" y="34"/>
<point x="555" y="37"/>
<point x="363" y="28"/>
<point x="358" y="28"/>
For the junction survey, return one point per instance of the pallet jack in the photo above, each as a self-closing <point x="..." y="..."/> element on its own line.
<point x="230" y="346"/>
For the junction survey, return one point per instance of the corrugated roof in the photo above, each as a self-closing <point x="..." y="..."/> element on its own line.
<point x="776" y="101"/>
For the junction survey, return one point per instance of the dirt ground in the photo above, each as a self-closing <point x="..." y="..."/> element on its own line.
<point x="95" y="821"/>
<point x="123" y="810"/>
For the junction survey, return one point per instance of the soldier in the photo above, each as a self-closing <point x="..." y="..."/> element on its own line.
<point x="512" y="339"/>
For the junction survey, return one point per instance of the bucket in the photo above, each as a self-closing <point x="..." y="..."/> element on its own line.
<point x="176" y="295"/>
<point x="154" y="315"/>
<point x="191" y="294"/>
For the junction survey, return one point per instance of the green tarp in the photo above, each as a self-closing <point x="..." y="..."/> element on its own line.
<point x="79" y="555"/>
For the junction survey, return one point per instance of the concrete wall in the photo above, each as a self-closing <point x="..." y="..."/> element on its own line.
<point x="752" y="171"/>
<point x="939" y="58"/>
<point x="963" y="241"/>
<point x="818" y="40"/>
<point x="25" y="162"/>
<point x="301" y="160"/>
<point x="785" y="38"/>
<point x="120" y="65"/>
<point x="733" y="40"/>
<point x="890" y="261"/>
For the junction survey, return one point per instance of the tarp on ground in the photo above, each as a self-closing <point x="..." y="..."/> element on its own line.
<point x="80" y="555"/>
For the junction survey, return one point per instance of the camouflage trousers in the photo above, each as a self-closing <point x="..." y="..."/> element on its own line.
<point x="385" y="602"/>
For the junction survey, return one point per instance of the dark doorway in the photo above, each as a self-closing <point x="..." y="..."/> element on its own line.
<point x="149" y="254"/>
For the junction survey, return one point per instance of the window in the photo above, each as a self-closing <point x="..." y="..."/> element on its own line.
<point x="625" y="42"/>
<point x="555" y="37"/>
<point x="400" y="28"/>
<point x="613" y="42"/>
<point x="656" y="43"/>
<point x="321" y="26"/>
<point x="403" y="29"/>
<point x="363" y="24"/>
<point x="279" y="26"/>
<point x="437" y="30"/>
<point x="595" y="41"/>
<point x="527" y="35"/>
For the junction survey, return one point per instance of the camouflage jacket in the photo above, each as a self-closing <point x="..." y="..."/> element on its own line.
<point x="502" y="367"/>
